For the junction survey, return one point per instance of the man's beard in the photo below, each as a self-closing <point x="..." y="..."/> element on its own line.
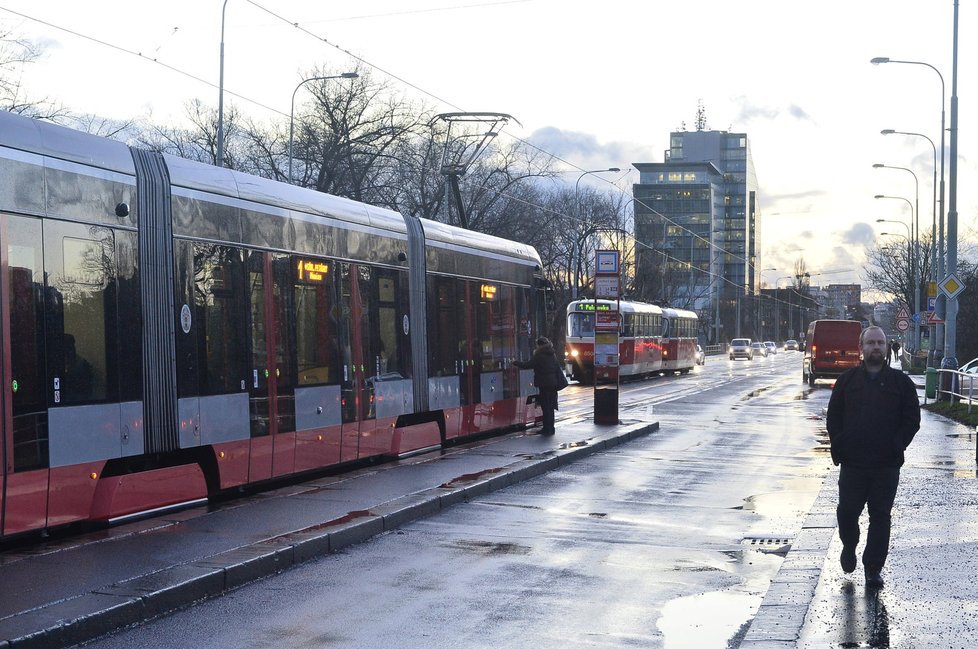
<point x="875" y="358"/>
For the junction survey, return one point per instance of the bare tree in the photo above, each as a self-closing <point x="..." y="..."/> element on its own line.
<point x="891" y="269"/>
<point x="16" y="54"/>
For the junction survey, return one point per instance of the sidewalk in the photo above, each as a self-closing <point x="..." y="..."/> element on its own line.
<point x="65" y="592"/>
<point x="928" y="599"/>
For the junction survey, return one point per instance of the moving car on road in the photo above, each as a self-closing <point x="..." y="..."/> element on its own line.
<point x="791" y="345"/>
<point x="700" y="356"/>
<point x="740" y="348"/>
<point x="759" y="349"/>
<point x="772" y="347"/>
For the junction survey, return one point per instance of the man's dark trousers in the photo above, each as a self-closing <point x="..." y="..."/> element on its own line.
<point x="873" y="487"/>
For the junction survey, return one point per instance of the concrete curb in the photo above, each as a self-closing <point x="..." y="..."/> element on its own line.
<point x="782" y="612"/>
<point x="148" y="596"/>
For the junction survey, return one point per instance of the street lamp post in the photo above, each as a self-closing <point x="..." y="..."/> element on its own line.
<point x="575" y="253"/>
<point x="220" y="97"/>
<point x="940" y="266"/>
<point x="935" y="353"/>
<point x="919" y="276"/>
<point x="345" y="75"/>
<point x="906" y="238"/>
<point x="914" y="267"/>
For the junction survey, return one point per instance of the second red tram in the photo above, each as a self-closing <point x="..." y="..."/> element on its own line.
<point x="652" y="340"/>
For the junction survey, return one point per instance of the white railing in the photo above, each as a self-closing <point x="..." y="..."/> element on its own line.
<point x="959" y="383"/>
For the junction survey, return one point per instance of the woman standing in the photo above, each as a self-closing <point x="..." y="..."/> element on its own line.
<point x="547" y="377"/>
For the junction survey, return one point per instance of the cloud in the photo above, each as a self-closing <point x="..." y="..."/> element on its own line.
<point x="750" y="112"/>
<point x="586" y="152"/>
<point x="860" y="234"/>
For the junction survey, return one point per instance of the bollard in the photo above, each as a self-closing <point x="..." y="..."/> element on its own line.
<point x="930" y="383"/>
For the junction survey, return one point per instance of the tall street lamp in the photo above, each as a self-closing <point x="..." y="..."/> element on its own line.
<point x="345" y="75"/>
<point x="935" y="351"/>
<point x="220" y="97"/>
<point x="575" y="253"/>
<point x="940" y="265"/>
<point x="913" y="270"/>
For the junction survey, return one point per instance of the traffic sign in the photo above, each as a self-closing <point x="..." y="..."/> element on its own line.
<point x="902" y="313"/>
<point x="902" y="324"/>
<point x="932" y="303"/>
<point x="934" y="319"/>
<point x="951" y="286"/>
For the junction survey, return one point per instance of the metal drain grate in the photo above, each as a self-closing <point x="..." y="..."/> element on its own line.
<point x="767" y="542"/>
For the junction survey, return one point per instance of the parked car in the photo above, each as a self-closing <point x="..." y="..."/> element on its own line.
<point x="832" y="347"/>
<point x="968" y="385"/>
<point x="759" y="349"/>
<point x="700" y="356"/>
<point x="791" y="345"/>
<point x="772" y="348"/>
<point x="740" y="348"/>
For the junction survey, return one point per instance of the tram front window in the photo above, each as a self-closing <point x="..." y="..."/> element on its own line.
<point x="580" y="325"/>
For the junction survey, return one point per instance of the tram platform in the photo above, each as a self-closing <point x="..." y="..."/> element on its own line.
<point x="63" y="592"/>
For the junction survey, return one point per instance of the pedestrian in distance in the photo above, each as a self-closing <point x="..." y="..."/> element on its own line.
<point x="873" y="415"/>
<point x="548" y="377"/>
<point x="889" y="353"/>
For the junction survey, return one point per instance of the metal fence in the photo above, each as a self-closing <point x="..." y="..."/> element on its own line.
<point x="962" y="387"/>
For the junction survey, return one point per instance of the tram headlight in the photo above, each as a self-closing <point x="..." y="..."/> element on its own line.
<point x="574" y="353"/>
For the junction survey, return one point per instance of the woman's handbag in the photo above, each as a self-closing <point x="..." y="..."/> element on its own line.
<point x="561" y="380"/>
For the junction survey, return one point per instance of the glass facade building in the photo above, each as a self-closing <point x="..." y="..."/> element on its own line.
<point x="697" y="228"/>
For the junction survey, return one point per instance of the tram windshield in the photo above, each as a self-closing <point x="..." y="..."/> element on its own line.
<point x="580" y="325"/>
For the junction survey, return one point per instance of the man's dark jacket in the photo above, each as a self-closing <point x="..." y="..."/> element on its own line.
<point x="872" y="421"/>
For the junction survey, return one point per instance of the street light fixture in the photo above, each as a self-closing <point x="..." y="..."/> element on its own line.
<point x="938" y="253"/>
<point x="345" y="75"/>
<point x="934" y="351"/>
<point x="914" y="270"/>
<point x="575" y="254"/>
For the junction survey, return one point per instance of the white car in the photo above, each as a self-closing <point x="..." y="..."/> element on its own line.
<point x="771" y="347"/>
<point x="759" y="349"/>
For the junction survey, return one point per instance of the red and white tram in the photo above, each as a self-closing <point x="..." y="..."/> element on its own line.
<point x="651" y="339"/>
<point x="679" y="329"/>
<point x="171" y="330"/>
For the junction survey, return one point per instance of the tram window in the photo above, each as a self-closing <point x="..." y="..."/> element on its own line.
<point x="25" y="290"/>
<point x="389" y="353"/>
<point x="283" y="300"/>
<point x="81" y="296"/>
<point x="258" y="363"/>
<point x="221" y="311"/>
<point x="444" y="334"/>
<point x="496" y="331"/>
<point x="524" y="334"/>
<point x="317" y="312"/>
<point x="581" y="325"/>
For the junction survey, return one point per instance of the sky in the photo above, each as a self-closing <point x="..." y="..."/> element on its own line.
<point x="598" y="84"/>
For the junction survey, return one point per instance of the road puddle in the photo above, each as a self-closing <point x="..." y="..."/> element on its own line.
<point x="706" y="620"/>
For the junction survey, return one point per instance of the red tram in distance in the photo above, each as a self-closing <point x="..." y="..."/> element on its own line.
<point x="652" y="340"/>
<point x="171" y="331"/>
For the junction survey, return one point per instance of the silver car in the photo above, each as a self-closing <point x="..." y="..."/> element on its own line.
<point x="740" y="348"/>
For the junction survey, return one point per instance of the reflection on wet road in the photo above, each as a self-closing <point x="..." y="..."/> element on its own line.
<point x="668" y="541"/>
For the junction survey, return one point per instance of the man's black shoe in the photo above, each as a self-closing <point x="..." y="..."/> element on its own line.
<point x="848" y="559"/>
<point x="873" y="578"/>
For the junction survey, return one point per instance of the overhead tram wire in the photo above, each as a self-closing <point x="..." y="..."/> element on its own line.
<point x="296" y="25"/>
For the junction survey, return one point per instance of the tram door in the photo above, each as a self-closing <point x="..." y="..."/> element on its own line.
<point x="24" y="471"/>
<point x="272" y="389"/>
<point x="357" y="398"/>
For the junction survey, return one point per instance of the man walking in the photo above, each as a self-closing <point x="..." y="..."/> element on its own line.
<point x="873" y="415"/>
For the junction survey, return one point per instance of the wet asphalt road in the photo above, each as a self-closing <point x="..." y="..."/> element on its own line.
<point x="668" y="541"/>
